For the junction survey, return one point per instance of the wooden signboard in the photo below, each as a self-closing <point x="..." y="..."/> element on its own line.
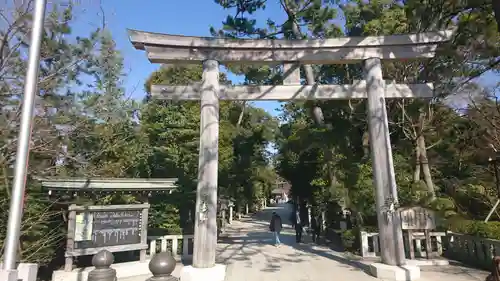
<point x="107" y="228"/>
<point x="116" y="228"/>
<point x="418" y="219"/>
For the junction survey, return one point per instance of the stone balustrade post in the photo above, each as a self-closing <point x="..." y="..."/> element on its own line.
<point x="161" y="266"/>
<point x="102" y="262"/>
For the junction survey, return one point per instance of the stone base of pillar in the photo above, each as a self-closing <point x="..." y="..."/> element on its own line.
<point x="8" y="275"/>
<point x="396" y="273"/>
<point x="216" y="273"/>
<point x="27" y="271"/>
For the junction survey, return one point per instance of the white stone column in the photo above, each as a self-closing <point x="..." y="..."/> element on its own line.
<point x="309" y="215"/>
<point x="391" y="237"/>
<point x="205" y="232"/>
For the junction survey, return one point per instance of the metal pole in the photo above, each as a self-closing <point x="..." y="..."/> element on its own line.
<point x="24" y="139"/>
<point x="492" y="211"/>
<point x="497" y="182"/>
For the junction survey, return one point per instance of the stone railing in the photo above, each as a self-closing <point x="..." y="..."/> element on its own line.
<point x="436" y="243"/>
<point x="370" y="246"/>
<point x="181" y="246"/>
<point x="472" y="250"/>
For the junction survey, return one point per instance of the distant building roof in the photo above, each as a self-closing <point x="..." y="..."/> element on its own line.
<point x="280" y="191"/>
<point x="109" y="184"/>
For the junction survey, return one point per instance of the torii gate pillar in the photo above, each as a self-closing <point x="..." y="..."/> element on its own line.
<point x="205" y="226"/>
<point x="386" y="197"/>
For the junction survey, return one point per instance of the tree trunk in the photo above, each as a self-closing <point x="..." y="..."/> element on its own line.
<point x="331" y="174"/>
<point x="240" y="117"/>
<point x="317" y="113"/>
<point x="496" y="10"/>
<point x="425" y="166"/>
<point x="416" y="173"/>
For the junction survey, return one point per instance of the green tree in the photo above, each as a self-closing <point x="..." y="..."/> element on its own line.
<point x="172" y="130"/>
<point x="334" y="159"/>
<point x="63" y="62"/>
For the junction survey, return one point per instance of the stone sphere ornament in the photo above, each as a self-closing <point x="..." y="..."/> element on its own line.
<point x="161" y="266"/>
<point x="103" y="259"/>
<point x="102" y="262"/>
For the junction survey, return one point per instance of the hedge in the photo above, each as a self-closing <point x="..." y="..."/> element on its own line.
<point x="476" y="228"/>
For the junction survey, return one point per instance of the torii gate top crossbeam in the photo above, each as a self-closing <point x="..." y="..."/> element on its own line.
<point x="167" y="48"/>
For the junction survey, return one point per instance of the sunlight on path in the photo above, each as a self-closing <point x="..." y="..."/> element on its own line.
<point x="251" y="256"/>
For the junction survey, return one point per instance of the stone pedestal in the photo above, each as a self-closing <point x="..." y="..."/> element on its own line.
<point x="123" y="270"/>
<point x="215" y="273"/>
<point x="27" y="271"/>
<point x="396" y="273"/>
<point x="24" y="272"/>
<point x="8" y="275"/>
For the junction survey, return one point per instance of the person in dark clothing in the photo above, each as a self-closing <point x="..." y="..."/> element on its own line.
<point x="275" y="227"/>
<point x="297" y="224"/>
<point x="298" y="232"/>
<point x="315" y="228"/>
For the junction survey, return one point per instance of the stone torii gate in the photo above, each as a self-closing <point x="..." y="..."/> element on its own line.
<point x="176" y="49"/>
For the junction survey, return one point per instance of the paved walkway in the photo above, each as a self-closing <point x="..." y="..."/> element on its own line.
<point x="251" y="256"/>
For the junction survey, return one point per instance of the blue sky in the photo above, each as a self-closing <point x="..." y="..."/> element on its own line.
<point x="191" y="17"/>
<point x="176" y="17"/>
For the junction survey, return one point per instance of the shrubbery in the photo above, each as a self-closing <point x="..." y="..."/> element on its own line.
<point x="351" y="240"/>
<point x="475" y="228"/>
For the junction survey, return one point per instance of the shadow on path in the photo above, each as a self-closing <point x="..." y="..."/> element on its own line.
<point x="250" y="253"/>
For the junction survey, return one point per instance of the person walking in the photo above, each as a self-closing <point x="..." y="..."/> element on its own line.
<point x="275" y="227"/>
<point x="297" y="225"/>
<point x="315" y="227"/>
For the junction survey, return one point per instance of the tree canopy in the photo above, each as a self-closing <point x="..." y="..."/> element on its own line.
<point x="327" y="159"/>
